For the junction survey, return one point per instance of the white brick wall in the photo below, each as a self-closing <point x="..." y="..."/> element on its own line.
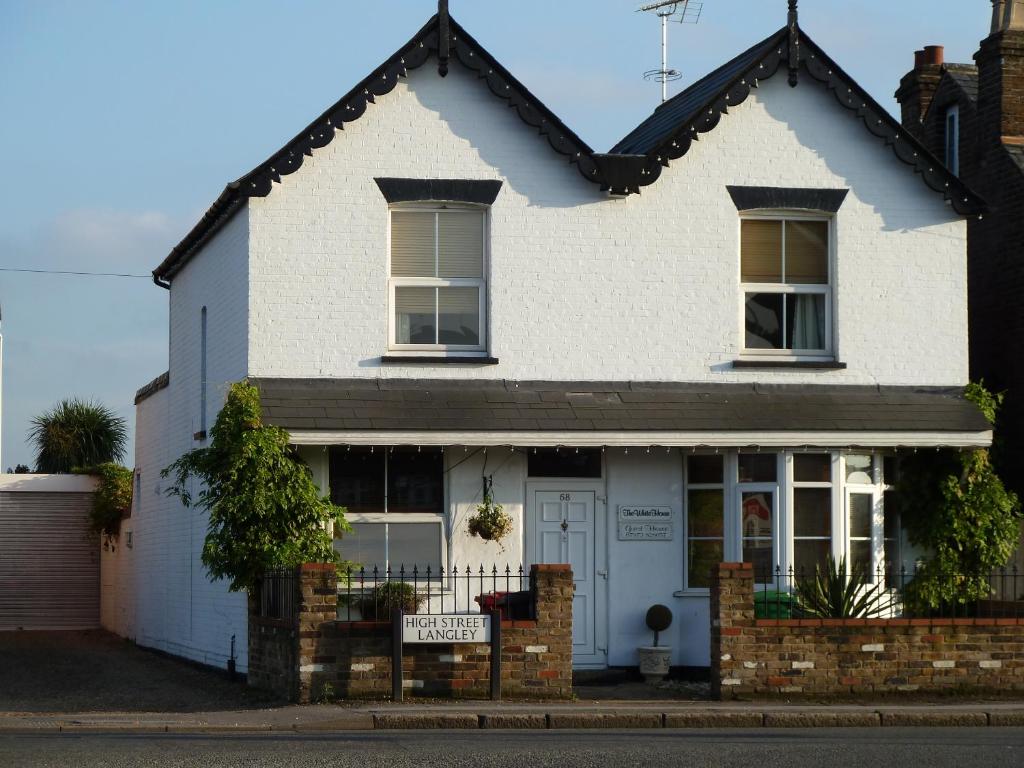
<point x="583" y="287"/>
<point x="178" y="609"/>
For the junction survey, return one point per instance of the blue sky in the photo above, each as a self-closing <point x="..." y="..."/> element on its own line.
<point x="122" y="121"/>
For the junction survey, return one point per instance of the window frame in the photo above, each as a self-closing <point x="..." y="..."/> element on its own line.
<point x="386" y="518"/>
<point x="826" y="289"/>
<point x="728" y="524"/>
<point x="951" y="149"/>
<point x="432" y="350"/>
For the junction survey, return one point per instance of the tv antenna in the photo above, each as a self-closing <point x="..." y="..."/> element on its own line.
<point x="683" y="11"/>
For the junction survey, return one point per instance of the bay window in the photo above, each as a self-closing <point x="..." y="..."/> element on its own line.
<point x="785" y="276"/>
<point x="437" y="284"/>
<point x="705" y="518"/>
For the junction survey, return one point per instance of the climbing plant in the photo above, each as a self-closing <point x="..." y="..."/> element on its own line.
<point x="955" y="506"/>
<point x="265" y="511"/>
<point x="112" y="498"/>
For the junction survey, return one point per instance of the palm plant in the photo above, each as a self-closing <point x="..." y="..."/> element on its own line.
<point x="835" y="594"/>
<point x="77" y="434"/>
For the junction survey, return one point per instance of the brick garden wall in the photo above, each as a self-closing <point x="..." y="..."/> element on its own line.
<point x="853" y="656"/>
<point x="315" y="656"/>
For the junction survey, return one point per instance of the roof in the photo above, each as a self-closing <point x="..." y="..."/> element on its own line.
<point x="530" y="406"/>
<point x="634" y="162"/>
<point x="1016" y="153"/>
<point x="160" y="382"/>
<point x="668" y="133"/>
<point x="966" y="77"/>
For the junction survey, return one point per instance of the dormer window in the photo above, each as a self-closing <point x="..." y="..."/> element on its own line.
<point x="785" y="281"/>
<point x="437" y="286"/>
<point x="953" y="139"/>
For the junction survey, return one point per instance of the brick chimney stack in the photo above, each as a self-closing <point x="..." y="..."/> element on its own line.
<point x="1000" y="60"/>
<point x="918" y="87"/>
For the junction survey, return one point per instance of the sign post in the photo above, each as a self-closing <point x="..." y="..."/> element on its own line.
<point x="397" y="616"/>
<point x="495" y="656"/>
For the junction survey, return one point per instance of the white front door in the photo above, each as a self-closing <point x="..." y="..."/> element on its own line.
<point x="566" y="531"/>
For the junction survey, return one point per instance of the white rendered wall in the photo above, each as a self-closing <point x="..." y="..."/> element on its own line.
<point x="179" y="610"/>
<point x="584" y="287"/>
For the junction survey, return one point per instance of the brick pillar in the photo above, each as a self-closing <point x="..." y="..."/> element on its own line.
<point x="553" y="592"/>
<point x="732" y="611"/>
<point x="318" y="604"/>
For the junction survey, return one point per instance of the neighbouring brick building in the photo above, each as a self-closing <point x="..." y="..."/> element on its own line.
<point x="972" y="116"/>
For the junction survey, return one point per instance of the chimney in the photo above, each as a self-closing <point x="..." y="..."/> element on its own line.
<point x="918" y="86"/>
<point x="1000" y="60"/>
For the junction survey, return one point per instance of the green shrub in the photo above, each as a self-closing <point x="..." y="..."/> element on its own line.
<point x="112" y="499"/>
<point x="835" y="594"/>
<point x="388" y="596"/>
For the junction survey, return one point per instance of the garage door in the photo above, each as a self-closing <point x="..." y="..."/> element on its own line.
<point x="49" y="562"/>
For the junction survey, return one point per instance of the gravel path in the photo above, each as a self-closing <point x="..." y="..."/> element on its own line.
<point x="96" y="671"/>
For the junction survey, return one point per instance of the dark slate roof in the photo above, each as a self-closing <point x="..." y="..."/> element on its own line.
<point x="966" y="77"/>
<point x="684" y="106"/>
<point x="422" y="48"/>
<point x="160" y="382"/>
<point x="669" y="132"/>
<point x="445" y="405"/>
<point x="1016" y="154"/>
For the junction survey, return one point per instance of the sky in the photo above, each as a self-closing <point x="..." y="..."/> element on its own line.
<point x="120" y="122"/>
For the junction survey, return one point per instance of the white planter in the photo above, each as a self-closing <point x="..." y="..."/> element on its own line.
<point x="654" y="662"/>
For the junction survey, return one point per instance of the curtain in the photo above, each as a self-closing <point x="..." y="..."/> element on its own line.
<point x="808" y="321"/>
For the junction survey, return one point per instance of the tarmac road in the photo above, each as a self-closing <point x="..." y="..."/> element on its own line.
<point x="763" y="748"/>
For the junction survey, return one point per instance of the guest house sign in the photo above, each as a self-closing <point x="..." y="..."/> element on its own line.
<point x="446" y="628"/>
<point x="645" y="523"/>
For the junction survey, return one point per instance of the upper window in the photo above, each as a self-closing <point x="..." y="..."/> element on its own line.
<point x="437" y="287"/>
<point x="784" y="267"/>
<point x="953" y="139"/>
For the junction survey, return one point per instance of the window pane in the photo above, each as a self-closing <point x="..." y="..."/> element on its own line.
<point x="704" y="469"/>
<point x="860" y="558"/>
<point x="808" y="555"/>
<point x="412" y="244"/>
<point x="812" y="468"/>
<point x="763" y="313"/>
<point x="414" y="545"/>
<point x="759" y="553"/>
<point x="460" y="244"/>
<point x="414" y="315"/>
<point x="415" y="481"/>
<point x="812" y="512"/>
<point x="704" y="513"/>
<point x="807" y="252"/>
<point x="459" y="315"/>
<point x="551" y="462"/>
<point x="805" y="321"/>
<point x="757" y="467"/>
<point x="860" y="515"/>
<point x="756" y="515"/>
<point x="365" y="547"/>
<point x="761" y="251"/>
<point x="357" y="479"/>
<point x="858" y="469"/>
<point x="701" y="557"/>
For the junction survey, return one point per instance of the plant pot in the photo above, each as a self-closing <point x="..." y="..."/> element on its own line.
<point x="654" y="662"/>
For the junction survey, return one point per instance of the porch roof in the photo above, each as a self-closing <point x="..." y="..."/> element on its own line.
<point x="459" y="412"/>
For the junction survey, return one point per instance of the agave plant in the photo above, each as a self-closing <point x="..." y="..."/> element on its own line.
<point x="835" y="594"/>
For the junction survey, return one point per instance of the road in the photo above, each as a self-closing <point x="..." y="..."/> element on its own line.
<point x="764" y="748"/>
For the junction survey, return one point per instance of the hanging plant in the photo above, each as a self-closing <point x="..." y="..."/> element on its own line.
<point x="491" y="522"/>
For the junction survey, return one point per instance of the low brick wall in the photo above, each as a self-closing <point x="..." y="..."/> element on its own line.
<point x="315" y="656"/>
<point x="853" y="656"/>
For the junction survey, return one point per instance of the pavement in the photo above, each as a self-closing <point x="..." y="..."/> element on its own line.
<point x="545" y="716"/>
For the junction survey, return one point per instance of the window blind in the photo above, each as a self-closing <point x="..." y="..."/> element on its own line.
<point x="761" y="251"/>
<point x="412" y="244"/>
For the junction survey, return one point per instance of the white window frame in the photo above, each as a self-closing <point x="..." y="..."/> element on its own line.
<point x="776" y="489"/>
<point x="436" y="282"/>
<point x="398" y="518"/>
<point x="951" y="149"/>
<point x="826" y="289"/>
<point x="729" y="551"/>
<point x="874" y="490"/>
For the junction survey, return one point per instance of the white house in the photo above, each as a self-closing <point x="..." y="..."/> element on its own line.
<point x="733" y="318"/>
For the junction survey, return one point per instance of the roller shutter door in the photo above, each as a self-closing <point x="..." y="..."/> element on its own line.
<point x="49" y="562"/>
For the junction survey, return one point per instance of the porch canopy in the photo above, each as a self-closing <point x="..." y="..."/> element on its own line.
<point x="431" y="412"/>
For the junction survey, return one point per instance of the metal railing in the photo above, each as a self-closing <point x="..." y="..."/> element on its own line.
<point x="278" y="595"/>
<point x="887" y="592"/>
<point x="372" y="594"/>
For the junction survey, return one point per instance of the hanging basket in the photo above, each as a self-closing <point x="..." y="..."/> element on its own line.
<point x="491" y="522"/>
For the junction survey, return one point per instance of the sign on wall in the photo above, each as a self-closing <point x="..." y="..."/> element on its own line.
<point x="645" y="523"/>
<point x="446" y="628"/>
